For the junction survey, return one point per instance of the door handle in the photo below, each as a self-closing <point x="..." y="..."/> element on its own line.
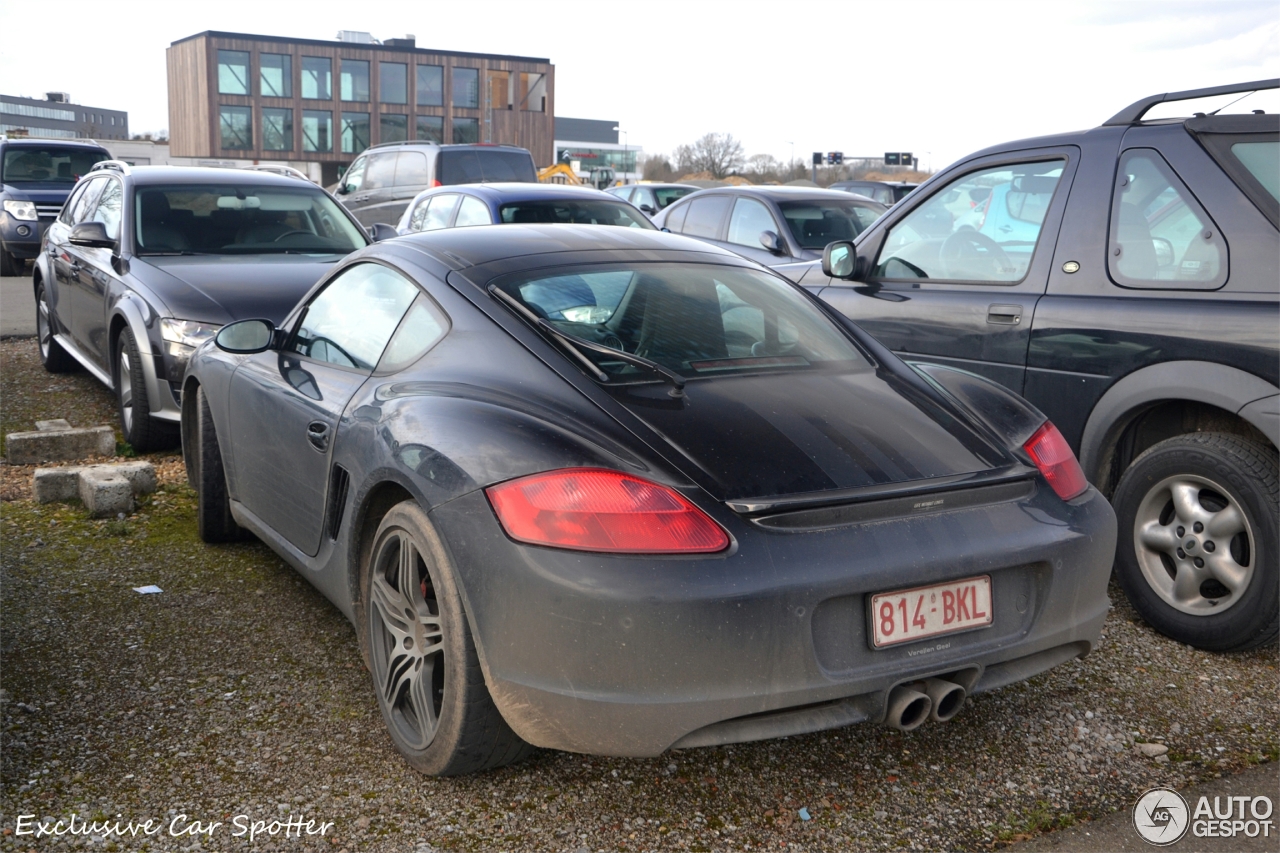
<point x="74" y="267"/>
<point x="318" y="435"/>
<point x="1004" y="315"/>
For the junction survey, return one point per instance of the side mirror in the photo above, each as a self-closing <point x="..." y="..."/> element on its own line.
<point x="1164" y="251"/>
<point x="649" y="209"/>
<point x="380" y="231"/>
<point x="92" y="235"/>
<point x="840" y="259"/>
<point x="771" y="241"/>
<point x="344" y="188"/>
<point x="246" y="336"/>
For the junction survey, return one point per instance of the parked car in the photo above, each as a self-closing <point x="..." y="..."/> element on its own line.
<point x="614" y="491"/>
<point x="36" y="175"/>
<point x="144" y="263"/>
<point x="784" y="228"/>
<point x="380" y="183"/>
<point x="498" y="204"/>
<point x="886" y="192"/>
<point x="652" y="198"/>
<point x="1125" y="281"/>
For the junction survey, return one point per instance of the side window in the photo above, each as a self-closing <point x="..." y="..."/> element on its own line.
<point x="472" y="212"/>
<point x="422" y="328"/>
<point x="643" y="196"/>
<point x="419" y="215"/>
<point x="438" y="212"/>
<point x="84" y="201"/>
<point x="380" y="171"/>
<point x="675" y="219"/>
<point x="108" y="210"/>
<point x="411" y="169"/>
<point x="993" y="242"/>
<point x="750" y="219"/>
<point x="354" y="176"/>
<point x="351" y="320"/>
<point x="1160" y="236"/>
<point x="705" y="216"/>
<point x="66" y="216"/>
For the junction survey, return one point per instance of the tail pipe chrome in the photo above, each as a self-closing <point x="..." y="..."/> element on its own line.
<point x="947" y="698"/>
<point x="908" y="708"/>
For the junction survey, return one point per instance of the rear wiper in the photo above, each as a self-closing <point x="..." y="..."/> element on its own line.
<point x="573" y="344"/>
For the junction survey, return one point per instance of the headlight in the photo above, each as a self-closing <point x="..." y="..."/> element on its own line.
<point x="186" y="332"/>
<point x="21" y="210"/>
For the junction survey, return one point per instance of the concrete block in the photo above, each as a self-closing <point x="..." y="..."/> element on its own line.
<point x="59" y="445"/>
<point x="105" y="493"/>
<point x="141" y="475"/>
<point x="56" y="484"/>
<point x="56" y="423"/>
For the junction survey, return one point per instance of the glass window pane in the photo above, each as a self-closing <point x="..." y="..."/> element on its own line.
<point x="354" y="176"/>
<point x="277" y="129"/>
<point x="814" y="224"/>
<point x="355" y="80"/>
<point x="233" y="72"/>
<point x="576" y="211"/>
<point x="431" y="128"/>
<point x="466" y="130"/>
<point x="1160" y="236"/>
<point x="317" y="130"/>
<point x="380" y="171"/>
<point x="393" y="128"/>
<point x="1262" y="159"/>
<point x="499" y="90"/>
<point x="352" y="319"/>
<point x="666" y="195"/>
<point x="421" y="329"/>
<point x="472" y="212"/>
<point x="430" y="86"/>
<point x="393" y="83"/>
<point x="533" y="92"/>
<point x="439" y="210"/>
<point x="355" y="132"/>
<point x="236" y="127"/>
<point x="108" y="209"/>
<point x="466" y="87"/>
<point x="317" y="78"/>
<point x="411" y="169"/>
<point x="750" y="219"/>
<point x="705" y="215"/>
<point x="981" y="227"/>
<point x="275" y="75"/>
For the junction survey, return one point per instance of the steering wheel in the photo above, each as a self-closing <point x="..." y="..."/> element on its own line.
<point x="291" y="233"/>
<point x="972" y="254"/>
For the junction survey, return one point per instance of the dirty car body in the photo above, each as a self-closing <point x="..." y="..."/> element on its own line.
<point x="831" y="479"/>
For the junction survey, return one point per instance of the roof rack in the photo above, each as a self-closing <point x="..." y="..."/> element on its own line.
<point x="116" y="165"/>
<point x="405" y="142"/>
<point x="1133" y="113"/>
<point x="285" y="171"/>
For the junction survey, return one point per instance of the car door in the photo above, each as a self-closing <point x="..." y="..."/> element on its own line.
<point x="91" y="275"/>
<point x="751" y="218"/>
<point x="704" y="217"/>
<point x="286" y="404"/>
<point x="958" y="293"/>
<point x="351" y="189"/>
<point x="372" y="200"/>
<point x="61" y="294"/>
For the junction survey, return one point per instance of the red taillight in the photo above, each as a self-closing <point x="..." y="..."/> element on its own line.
<point x="436" y="183"/>
<point x="1053" y="456"/>
<point x="590" y="509"/>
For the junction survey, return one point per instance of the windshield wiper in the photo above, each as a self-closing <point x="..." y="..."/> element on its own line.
<point x="572" y="345"/>
<point x="171" y="254"/>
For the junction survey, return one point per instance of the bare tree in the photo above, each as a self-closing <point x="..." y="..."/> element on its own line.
<point x="764" y="167"/>
<point x="658" y="168"/>
<point x="684" y="159"/>
<point x="717" y="153"/>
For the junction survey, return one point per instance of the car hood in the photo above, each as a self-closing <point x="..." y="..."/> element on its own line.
<point x="39" y="193"/>
<point x="225" y="288"/>
<point x="780" y="434"/>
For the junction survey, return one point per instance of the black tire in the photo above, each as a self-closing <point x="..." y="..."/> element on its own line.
<point x="213" y="505"/>
<point x="1197" y="546"/>
<point x="9" y="265"/>
<point x="139" y="429"/>
<point x="462" y="730"/>
<point x="54" y="358"/>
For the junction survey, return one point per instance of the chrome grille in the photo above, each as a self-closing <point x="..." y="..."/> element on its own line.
<point x="48" y="211"/>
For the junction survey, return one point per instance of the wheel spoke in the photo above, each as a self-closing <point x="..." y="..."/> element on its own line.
<point x="1186" y="501"/>
<point x="1186" y="587"/>
<point x="390" y="606"/>
<point x="407" y="573"/>
<point x="400" y="672"/>
<point x="1159" y="537"/>
<point x="1226" y="523"/>
<point x="1228" y="572"/>
<point x="424" y="706"/>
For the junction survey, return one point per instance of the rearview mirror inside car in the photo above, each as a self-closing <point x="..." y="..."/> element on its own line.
<point x="840" y="259"/>
<point x="246" y="336"/>
<point x="92" y="235"/>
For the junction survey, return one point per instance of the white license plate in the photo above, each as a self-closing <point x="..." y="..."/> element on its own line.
<point x="928" y="611"/>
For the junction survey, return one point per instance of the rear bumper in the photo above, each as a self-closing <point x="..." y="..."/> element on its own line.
<point x="631" y="656"/>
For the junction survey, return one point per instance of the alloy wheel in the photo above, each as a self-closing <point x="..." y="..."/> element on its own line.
<point x="44" y="329"/>
<point x="1194" y="544"/>
<point x="126" y="389"/>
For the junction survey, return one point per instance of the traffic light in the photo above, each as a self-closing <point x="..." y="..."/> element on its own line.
<point x="817" y="158"/>
<point x="891" y="158"/>
<point x="835" y="158"/>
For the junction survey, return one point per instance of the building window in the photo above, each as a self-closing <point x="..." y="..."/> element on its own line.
<point x="499" y="90"/>
<point x="355" y="131"/>
<point x="277" y="129"/>
<point x="466" y="87"/>
<point x="275" y="75"/>
<point x="430" y="86"/>
<point x="533" y="91"/>
<point x="431" y="128"/>
<point x="233" y="72"/>
<point x="393" y="128"/>
<point x="355" y="80"/>
<point x="317" y="78"/>
<point x="236" y="124"/>
<point x="466" y="130"/>
<point x="393" y="83"/>
<point x="317" y="130"/>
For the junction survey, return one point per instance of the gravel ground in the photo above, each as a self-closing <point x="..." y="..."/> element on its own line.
<point x="239" y="691"/>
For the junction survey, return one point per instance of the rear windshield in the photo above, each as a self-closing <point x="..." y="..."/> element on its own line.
<point x="55" y="164"/>
<point x="226" y="219"/>
<point x="578" y="211"/>
<point x="666" y="195"/>
<point x="694" y="319"/>
<point x="485" y="165"/>
<point x="814" y="224"/>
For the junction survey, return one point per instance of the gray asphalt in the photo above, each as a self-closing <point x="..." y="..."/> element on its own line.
<point x="1116" y="833"/>
<point x="17" y="310"/>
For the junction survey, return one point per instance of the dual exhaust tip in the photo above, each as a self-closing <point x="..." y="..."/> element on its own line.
<point x="932" y="699"/>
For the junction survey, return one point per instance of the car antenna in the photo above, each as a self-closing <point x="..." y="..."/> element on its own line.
<point x="574" y="345"/>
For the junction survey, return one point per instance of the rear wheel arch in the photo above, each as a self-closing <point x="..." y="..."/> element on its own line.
<point x="371" y="508"/>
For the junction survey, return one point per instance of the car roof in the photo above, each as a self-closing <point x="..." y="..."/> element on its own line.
<point x="59" y="143"/>
<point x="422" y="143"/>
<point x="516" y="191"/>
<point x="660" y="185"/>
<point x="150" y="175"/>
<point x="783" y="193"/>
<point x="467" y="247"/>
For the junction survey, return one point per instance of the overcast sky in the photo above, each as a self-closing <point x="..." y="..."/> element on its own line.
<point x="939" y="79"/>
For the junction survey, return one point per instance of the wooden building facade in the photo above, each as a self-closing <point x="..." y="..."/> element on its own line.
<point x="240" y="96"/>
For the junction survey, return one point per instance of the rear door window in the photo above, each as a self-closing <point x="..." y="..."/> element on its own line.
<point x="439" y="211"/>
<point x="472" y="212"/>
<point x="705" y="215"/>
<point x="411" y="169"/>
<point x="1160" y="235"/>
<point x="380" y="171"/>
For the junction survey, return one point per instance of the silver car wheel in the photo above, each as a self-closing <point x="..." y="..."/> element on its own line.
<point x="125" y="383"/>
<point x="407" y="640"/>
<point x="44" y="330"/>
<point x="1194" y="544"/>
